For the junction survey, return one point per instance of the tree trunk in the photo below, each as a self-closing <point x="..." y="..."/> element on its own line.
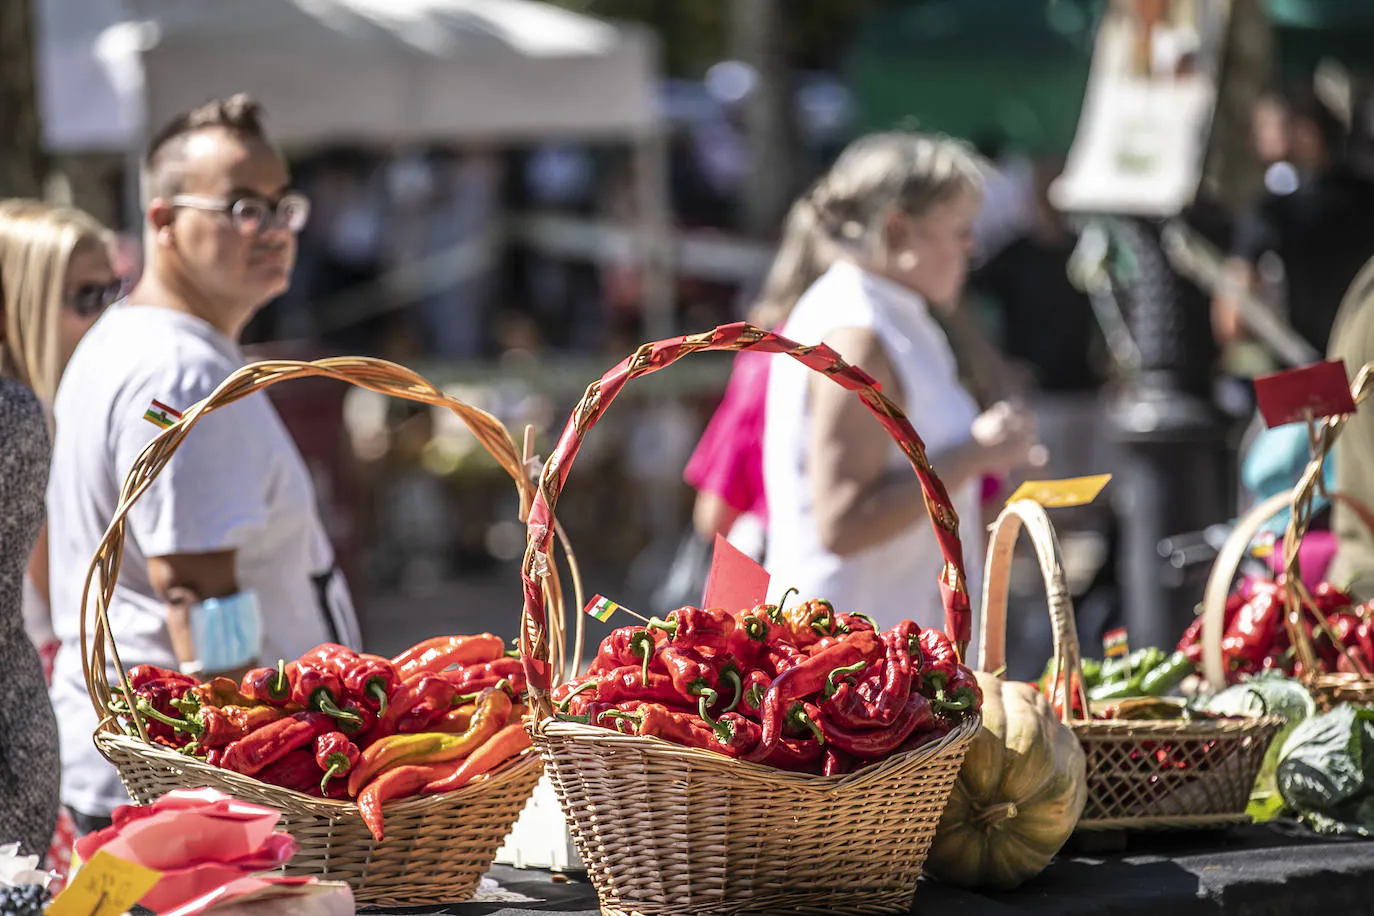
<point x="21" y="133"/>
<point x="757" y="36"/>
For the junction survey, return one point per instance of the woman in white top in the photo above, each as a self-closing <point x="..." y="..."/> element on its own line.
<point x="847" y="522"/>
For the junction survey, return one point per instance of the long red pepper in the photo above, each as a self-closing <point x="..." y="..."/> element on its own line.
<point x="690" y="627"/>
<point x="808" y="678"/>
<point x="274" y="741"/>
<point x="869" y="744"/>
<point x="296" y="771"/>
<point x="442" y="652"/>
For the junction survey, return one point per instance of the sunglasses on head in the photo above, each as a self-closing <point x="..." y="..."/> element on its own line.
<point x="89" y="300"/>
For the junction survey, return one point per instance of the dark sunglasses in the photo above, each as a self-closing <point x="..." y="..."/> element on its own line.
<point x="91" y="299"/>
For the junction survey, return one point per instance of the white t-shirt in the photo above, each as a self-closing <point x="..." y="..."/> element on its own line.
<point x="236" y="482"/>
<point x="897" y="579"/>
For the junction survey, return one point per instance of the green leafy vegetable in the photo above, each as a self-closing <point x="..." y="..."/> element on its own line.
<point x="1326" y="771"/>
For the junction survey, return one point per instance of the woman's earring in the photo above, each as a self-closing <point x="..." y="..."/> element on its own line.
<point x="907" y="261"/>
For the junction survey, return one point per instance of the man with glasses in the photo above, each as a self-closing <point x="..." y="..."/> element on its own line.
<point x="228" y="539"/>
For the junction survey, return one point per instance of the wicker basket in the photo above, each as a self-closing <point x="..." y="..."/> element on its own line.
<point x="437" y="848"/>
<point x="1327" y="688"/>
<point x="664" y="829"/>
<point x="1128" y="787"/>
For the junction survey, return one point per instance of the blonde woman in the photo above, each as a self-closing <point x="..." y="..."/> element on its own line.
<point x="55" y="279"/>
<point x="893" y="229"/>
<point x="61" y="280"/>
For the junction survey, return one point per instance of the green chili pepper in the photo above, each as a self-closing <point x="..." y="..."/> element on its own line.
<point x="1167" y="675"/>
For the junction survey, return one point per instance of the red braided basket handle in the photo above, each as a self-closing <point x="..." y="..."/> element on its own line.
<point x="652" y="357"/>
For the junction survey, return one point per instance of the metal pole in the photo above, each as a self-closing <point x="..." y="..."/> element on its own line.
<point x="1173" y="445"/>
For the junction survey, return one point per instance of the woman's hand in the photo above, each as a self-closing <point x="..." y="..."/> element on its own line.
<point x="1008" y="438"/>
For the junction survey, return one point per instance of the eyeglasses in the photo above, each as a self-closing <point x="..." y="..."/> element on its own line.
<point x="89" y="300"/>
<point x="253" y="215"/>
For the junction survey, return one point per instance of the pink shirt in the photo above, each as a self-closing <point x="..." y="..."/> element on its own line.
<point x="728" y="461"/>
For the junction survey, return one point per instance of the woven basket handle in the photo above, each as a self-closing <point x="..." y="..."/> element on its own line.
<point x="992" y="648"/>
<point x="372" y="374"/>
<point x="536" y="636"/>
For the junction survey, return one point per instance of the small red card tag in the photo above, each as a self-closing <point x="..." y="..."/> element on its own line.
<point x="1321" y="389"/>
<point x="735" y="581"/>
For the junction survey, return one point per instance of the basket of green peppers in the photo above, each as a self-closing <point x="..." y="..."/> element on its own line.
<point x="1150" y="672"/>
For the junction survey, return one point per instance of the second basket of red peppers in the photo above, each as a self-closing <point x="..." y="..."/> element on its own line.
<point x="802" y="688"/>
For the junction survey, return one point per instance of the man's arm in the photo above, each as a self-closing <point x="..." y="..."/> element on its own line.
<point x="184" y="580"/>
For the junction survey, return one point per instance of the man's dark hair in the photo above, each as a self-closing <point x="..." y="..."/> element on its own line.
<point x="240" y="115"/>
<point x="1304" y="104"/>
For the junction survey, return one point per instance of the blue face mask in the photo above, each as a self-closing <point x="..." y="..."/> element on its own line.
<point x="227" y="631"/>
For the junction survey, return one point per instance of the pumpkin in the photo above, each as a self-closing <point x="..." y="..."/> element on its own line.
<point x="1018" y="796"/>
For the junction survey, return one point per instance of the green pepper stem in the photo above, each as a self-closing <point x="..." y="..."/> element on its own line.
<point x="831" y="686"/>
<point x="637" y="718"/>
<point x="281" y="685"/>
<point x="705" y="700"/>
<point x="754" y="627"/>
<point x="325" y="704"/>
<point x="799" y="716"/>
<point x="731" y="676"/>
<point x="567" y="717"/>
<point x="782" y="602"/>
<point x="958" y="705"/>
<point x="563" y="703"/>
<point x="667" y="626"/>
<point x="336" y="768"/>
<point x="152" y="712"/>
<point x="378" y="691"/>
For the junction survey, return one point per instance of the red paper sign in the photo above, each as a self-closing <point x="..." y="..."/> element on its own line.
<point x="1318" y="390"/>
<point x="735" y="582"/>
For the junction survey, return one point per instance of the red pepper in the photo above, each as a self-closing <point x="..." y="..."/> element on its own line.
<point x="296" y="771"/>
<point x="622" y="684"/>
<point x="961" y="694"/>
<point x="401" y="782"/>
<point x="798" y="755"/>
<point x="736" y="735"/>
<point x="331" y="656"/>
<point x="274" y="741"/>
<point x="371" y="679"/>
<point x="335" y="755"/>
<point x="781" y="657"/>
<point x="1355" y="659"/>
<point x="435" y="702"/>
<point x="480" y="677"/>
<point x="1249" y="637"/>
<point x="810" y="621"/>
<point x="626" y="646"/>
<point x="810" y="677"/>
<point x="751" y="698"/>
<point x="750" y="640"/>
<point x="658" y="721"/>
<point x="803" y="720"/>
<point x="938" y="659"/>
<point x="1191" y="643"/>
<point x="695" y="676"/>
<point x="877" y="703"/>
<point x="435" y="689"/>
<point x="852" y="623"/>
<point x="268" y="685"/>
<point x="144" y="675"/>
<point x="316" y="688"/>
<point x="875" y="743"/>
<point x="835" y="762"/>
<point x="690" y="628"/>
<point x="441" y="652"/>
<point x="220" y="691"/>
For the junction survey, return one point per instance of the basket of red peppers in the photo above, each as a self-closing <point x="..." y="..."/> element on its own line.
<point x="425" y="751"/>
<point x="402" y="776"/>
<point x="764" y="758"/>
<point x="1321" y="635"/>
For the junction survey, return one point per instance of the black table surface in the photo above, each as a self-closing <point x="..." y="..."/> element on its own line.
<point x="1273" y="870"/>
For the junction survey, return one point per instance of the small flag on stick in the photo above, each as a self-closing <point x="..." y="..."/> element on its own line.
<point x="601" y="608"/>
<point x="1114" y="644"/>
<point x="160" y="415"/>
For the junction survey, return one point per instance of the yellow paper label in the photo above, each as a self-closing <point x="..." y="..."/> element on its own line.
<point x="1060" y="494"/>
<point x="105" y="886"/>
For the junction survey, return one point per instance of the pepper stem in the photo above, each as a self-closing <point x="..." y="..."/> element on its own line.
<point x="705" y="701"/>
<point x="799" y="716"/>
<point x="378" y="690"/>
<point x="642" y="644"/>
<point x="281" y="685"/>
<point x="754" y="627"/>
<point x="563" y="703"/>
<point x="667" y="626"/>
<point x="831" y="686"/>
<point x="325" y="704"/>
<point x="731" y="676"/>
<point x="871" y="622"/>
<point x="152" y="712"/>
<point x="336" y="768"/>
<point x="782" y="602"/>
<point x="637" y="718"/>
<point x="959" y="705"/>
